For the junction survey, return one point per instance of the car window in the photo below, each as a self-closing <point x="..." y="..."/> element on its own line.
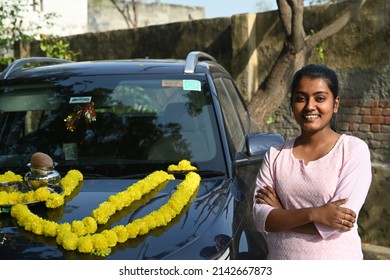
<point x="239" y="105"/>
<point x="105" y="123"/>
<point x="229" y="110"/>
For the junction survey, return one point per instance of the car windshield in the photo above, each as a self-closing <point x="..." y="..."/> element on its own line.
<point x="110" y="125"/>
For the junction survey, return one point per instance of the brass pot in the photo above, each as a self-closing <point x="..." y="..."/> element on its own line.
<point x="39" y="177"/>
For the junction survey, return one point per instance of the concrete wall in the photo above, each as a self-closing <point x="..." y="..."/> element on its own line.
<point x="103" y="16"/>
<point x="68" y="20"/>
<point x="248" y="44"/>
<point x="81" y="16"/>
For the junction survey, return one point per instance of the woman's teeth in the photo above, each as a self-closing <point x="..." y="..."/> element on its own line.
<point x="311" y="117"/>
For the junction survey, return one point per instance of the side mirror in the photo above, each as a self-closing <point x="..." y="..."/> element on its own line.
<point x="258" y="143"/>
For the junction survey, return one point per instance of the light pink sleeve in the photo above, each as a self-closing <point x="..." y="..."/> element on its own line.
<point x="354" y="182"/>
<point x="264" y="178"/>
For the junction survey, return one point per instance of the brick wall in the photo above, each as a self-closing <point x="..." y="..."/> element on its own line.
<point x="368" y="119"/>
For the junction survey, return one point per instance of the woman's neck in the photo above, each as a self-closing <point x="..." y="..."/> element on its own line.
<point x="310" y="147"/>
<point x="318" y="138"/>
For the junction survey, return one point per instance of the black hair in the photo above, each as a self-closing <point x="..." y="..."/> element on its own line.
<point x="317" y="71"/>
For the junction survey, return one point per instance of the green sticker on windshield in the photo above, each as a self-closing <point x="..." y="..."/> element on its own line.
<point x="80" y="99"/>
<point x="191" y="85"/>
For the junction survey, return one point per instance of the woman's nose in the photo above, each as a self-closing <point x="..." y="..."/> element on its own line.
<point x="310" y="104"/>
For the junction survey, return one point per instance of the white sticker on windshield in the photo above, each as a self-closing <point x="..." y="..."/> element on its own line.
<point x="191" y="85"/>
<point x="80" y="99"/>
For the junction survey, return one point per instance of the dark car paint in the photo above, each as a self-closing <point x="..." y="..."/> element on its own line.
<point x="218" y="220"/>
<point x="183" y="238"/>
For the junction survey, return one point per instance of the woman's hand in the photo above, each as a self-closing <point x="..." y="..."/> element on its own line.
<point x="331" y="214"/>
<point x="335" y="216"/>
<point x="267" y="195"/>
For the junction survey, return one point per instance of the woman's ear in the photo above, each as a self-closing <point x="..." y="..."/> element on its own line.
<point x="336" y="104"/>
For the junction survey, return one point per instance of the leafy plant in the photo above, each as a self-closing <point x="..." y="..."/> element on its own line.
<point x="319" y="49"/>
<point x="15" y="28"/>
<point x="52" y="46"/>
<point x="270" y="120"/>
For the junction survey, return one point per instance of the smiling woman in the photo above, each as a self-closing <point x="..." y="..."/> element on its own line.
<point x="311" y="188"/>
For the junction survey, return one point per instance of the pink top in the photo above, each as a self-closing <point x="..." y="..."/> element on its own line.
<point x="345" y="172"/>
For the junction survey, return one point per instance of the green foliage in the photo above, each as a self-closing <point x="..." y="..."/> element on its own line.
<point x="319" y="49"/>
<point x="136" y="100"/>
<point x="14" y="27"/>
<point x="52" y="46"/>
<point x="271" y="120"/>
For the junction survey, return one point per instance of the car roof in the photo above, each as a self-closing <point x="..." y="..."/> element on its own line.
<point x="196" y="62"/>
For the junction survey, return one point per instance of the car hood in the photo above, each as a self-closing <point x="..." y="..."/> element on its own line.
<point x="191" y="235"/>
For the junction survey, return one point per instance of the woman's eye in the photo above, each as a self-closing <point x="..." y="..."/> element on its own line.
<point x="300" y="99"/>
<point x="320" y="98"/>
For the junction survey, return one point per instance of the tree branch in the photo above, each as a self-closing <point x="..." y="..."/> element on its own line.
<point x="125" y="11"/>
<point x="134" y="4"/>
<point x="298" y="33"/>
<point x="351" y="11"/>
<point x="285" y="15"/>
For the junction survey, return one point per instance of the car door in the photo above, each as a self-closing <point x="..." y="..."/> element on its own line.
<point x="238" y="126"/>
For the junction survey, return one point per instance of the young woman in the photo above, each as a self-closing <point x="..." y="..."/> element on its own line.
<point x="310" y="189"/>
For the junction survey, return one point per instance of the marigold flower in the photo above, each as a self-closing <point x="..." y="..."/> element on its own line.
<point x="133" y="228"/>
<point x="55" y="200"/>
<point x="121" y="233"/>
<point x="28" y="197"/>
<point x="117" y="202"/>
<point x="103" y="252"/>
<point x="69" y="241"/>
<point x="159" y="218"/>
<point x="37" y="226"/>
<point x="41" y="194"/>
<point x="50" y="229"/>
<point x="63" y="228"/>
<point x="111" y="237"/>
<point x="85" y="244"/>
<point x="99" y="241"/>
<point x="103" y="212"/>
<point x="183" y="165"/>
<point x="10" y="176"/>
<point x="76" y="174"/>
<point x="90" y="224"/>
<point x="78" y="227"/>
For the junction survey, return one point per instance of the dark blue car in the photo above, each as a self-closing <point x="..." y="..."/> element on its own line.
<point x="117" y="122"/>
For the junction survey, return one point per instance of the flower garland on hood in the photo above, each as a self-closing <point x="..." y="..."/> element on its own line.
<point x="82" y="235"/>
<point x="52" y="200"/>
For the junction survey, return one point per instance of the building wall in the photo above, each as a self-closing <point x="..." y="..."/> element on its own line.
<point x="69" y="20"/>
<point x="103" y="16"/>
<point x="82" y="16"/>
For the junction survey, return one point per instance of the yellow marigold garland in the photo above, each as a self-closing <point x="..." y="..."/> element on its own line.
<point x="183" y="165"/>
<point x="9" y="176"/>
<point x="82" y="236"/>
<point x="52" y="200"/>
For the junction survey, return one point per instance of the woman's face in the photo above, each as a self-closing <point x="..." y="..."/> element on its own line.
<point x="313" y="104"/>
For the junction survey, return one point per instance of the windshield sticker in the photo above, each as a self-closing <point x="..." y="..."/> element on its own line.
<point x="80" y="99"/>
<point x="172" y="83"/>
<point x="70" y="151"/>
<point x="191" y="85"/>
